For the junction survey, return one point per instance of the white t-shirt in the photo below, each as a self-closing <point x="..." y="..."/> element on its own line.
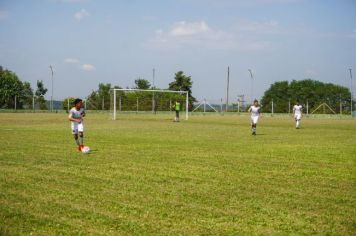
<point x="255" y="111"/>
<point x="76" y="114"/>
<point x="297" y="109"/>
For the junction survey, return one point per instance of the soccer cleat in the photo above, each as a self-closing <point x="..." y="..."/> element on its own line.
<point x="79" y="148"/>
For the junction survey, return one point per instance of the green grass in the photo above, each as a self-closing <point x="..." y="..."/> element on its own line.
<point x="149" y="176"/>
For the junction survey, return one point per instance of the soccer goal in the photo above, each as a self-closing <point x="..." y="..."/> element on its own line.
<point x="147" y="101"/>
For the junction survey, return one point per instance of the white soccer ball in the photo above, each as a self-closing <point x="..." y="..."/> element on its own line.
<point x="86" y="149"/>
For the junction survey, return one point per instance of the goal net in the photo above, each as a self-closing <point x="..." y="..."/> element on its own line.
<point x="146" y="101"/>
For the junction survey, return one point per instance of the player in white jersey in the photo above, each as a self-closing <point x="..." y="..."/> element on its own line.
<point x="255" y="111"/>
<point x="297" y="113"/>
<point x="76" y="115"/>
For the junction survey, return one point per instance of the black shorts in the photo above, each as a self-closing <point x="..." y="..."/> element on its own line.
<point x="177" y="114"/>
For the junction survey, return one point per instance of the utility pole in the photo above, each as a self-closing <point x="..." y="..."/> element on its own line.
<point x="50" y="66"/>
<point x="227" y="89"/>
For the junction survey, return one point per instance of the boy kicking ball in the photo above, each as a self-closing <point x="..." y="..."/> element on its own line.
<point x="297" y="113"/>
<point x="76" y="115"/>
<point x="255" y="111"/>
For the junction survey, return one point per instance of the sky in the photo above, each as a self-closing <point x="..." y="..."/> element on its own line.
<point x="105" y="41"/>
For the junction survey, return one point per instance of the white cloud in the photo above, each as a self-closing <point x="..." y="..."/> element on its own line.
<point x="88" y="67"/>
<point x="71" y="60"/>
<point x="75" y="61"/>
<point x="201" y="35"/>
<point x="81" y="14"/>
<point x="183" y="28"/>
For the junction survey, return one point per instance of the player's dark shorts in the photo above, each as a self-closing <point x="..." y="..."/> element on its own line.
<point x="177" y="114"/>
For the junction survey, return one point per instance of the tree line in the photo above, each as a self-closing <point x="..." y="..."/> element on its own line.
<point x="282" y="93"/>
<point x="101" y="99"/>
<point x="309" y="92"/>
<point x="13" y="90"/>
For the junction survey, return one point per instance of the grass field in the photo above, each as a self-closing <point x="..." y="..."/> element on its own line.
<point x="149" y="176"/>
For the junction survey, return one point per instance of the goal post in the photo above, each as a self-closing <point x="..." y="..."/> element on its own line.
<point x="138" y="100"/>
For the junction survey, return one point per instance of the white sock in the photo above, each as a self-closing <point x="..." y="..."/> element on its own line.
<point x="297" y="124"/>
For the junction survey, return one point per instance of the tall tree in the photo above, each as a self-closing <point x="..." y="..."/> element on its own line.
<point x="142" y="84"/>
<point x="315" y="92"/>
<point x="99" y="99"/>
<point x="183" y="83"/>
<point x="40" y="92"/>
<point x="11" y="87"/>
<point x="67" y="103"/>
<point x="26" y="95"/>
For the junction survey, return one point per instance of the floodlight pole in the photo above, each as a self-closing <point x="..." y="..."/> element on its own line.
<point x="50" y="66"/>
<point x="251" y="85"/>
<point x="351" y="91"/>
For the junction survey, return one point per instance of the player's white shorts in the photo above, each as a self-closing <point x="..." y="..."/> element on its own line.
<point x="297" y="116"/>
<point x="254" y="119"/>
<point x="77" y="127"/>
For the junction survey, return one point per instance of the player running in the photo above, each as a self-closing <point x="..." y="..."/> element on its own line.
<point x="297" y="113"/>
<point x="255" y="111"/>
<point x="76" y="115"/>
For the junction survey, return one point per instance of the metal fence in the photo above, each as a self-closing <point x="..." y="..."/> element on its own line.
<point x="39" y="104"/>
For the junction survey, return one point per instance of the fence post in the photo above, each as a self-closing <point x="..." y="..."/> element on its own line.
<point x="114" y="108"/>
<point x="307" y="107"/>
<point x="272" y="107"/>
<point x="153" y="103"/>
<point x="120" y="103"/>
<point x="33" y="103"/>
<point x="137" y="104"/>
<point x="204" y="105"/>
<point x="15" y="102"/>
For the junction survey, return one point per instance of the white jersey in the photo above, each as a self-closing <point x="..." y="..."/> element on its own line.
<point x="297" y="109"/>
<point x="76" y="114"/>
<point x="255" y="111"/>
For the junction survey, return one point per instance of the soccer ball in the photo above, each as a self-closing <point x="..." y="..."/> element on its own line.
<point x="85" y="149"/>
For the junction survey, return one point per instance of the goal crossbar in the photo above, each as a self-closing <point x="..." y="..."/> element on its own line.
<point x="153" y="90"/>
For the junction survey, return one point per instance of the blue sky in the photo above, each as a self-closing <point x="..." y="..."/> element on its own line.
<point x="92" y="41"/>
